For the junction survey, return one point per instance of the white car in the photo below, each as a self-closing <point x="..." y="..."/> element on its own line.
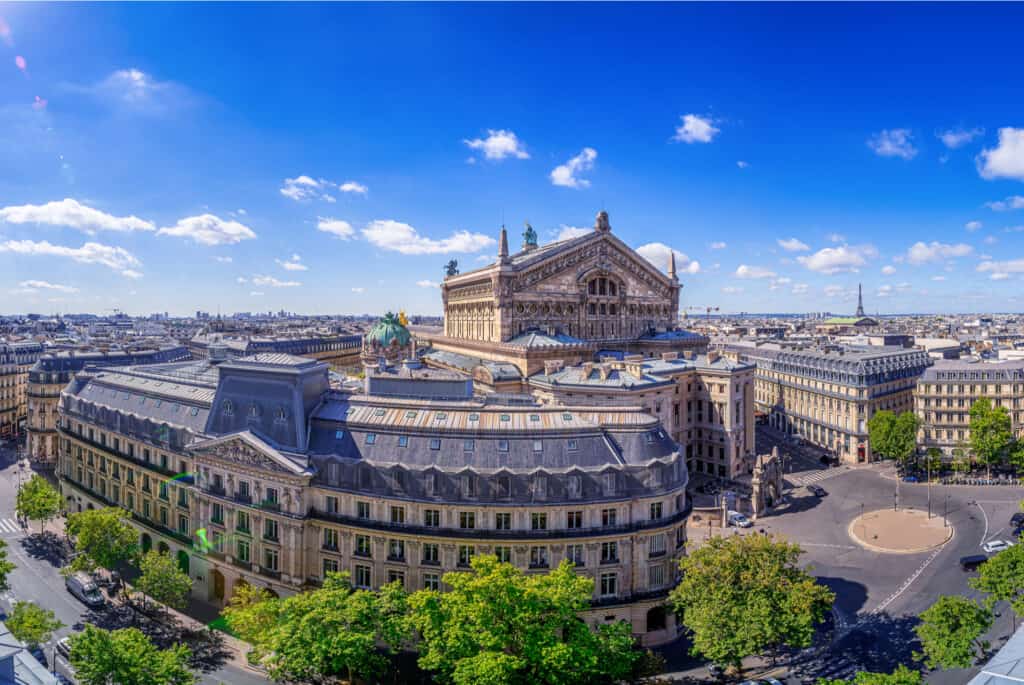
<point x="739" y="520"/>
<point x="995" y="546"/>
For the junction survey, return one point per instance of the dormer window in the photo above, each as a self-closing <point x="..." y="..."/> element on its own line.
<point x="254" y="411"/>
<point x="503" y="445"/>
<point x="474" y="417"/>
<point x="378" y="412"/>
<point x="371" y="438"/>
<point x="403" y="440"/>
<point x="338" y="435"/>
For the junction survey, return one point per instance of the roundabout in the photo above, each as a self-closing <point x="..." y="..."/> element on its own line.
<point x="902" y="531"/>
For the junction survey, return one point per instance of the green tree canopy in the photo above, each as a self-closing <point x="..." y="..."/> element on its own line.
<point x="991" y="431"/>
<point x="32" y="624"/>
<point x="37" y="500"/>
<point x="933" y="460"/>
<point x="103" y="537"/>
<point x="1002" y="577"/>
<point x="892" y="436"/>
<point x="498" y="625"/>
<point x="950" y="632"/>
<point x="742" y="595"/>
<point x="162" y="580"/>
<point x="901" y="676"/>
<point x="127" y="657"/>
<point x="5" y="566"/>
<point x="323" y="633"/>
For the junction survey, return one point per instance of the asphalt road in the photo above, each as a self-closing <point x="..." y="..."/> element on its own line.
<point x="37" y="579"/>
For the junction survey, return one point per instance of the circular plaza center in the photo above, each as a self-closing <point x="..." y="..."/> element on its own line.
<point x="901" y="531"/>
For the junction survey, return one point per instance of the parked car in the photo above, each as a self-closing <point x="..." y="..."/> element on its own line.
<point x="910" y="479"/>
<point x="716" y="671"/>
<point x="81" y="585"/>
<point x="996" y="546"/>
<point x="972" y="561"/>
<point x="1017" y="520"/>
<point x="63" y="648"/>
<point x="739" y="520"/>
<point x="817" y="490"/>
<point x="769" y="681"/>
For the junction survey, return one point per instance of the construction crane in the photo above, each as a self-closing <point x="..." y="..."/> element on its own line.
<point x="707" y="311"/>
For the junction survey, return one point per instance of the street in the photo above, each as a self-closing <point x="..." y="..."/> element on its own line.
<point x="37" y="579"/>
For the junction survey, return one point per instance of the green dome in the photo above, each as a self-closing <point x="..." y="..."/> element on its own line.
<point x="387" y="331"/>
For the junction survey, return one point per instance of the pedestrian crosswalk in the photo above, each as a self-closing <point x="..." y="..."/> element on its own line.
<point x="9" y="527"/>
<point x="806" y="478"/>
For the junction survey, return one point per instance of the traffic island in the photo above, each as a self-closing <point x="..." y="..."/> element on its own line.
<point x="903" y="531"/>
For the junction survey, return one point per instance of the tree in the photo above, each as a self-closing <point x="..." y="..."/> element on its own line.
<point x="103" y="537"/>
<point x="1016" y="456"/>
<point x="961" y="460"/>
<point x="32" y="624"/>
<point x="37" y="500"/>
<point x="933" y="460"/>
<point x="162" y="580"/>
<point x="901" y="676"/>
<point x="880" y="428"/>
<point x="499" y="625"/>
<point x="324" y="633"/>
<point x="5" y="566"/>
<point x="892" y="436"/>
<point x="950" y="632"/>
<point x="742" y="595"/>
<point x="1002" y="577"/>
<point x="991" y="431"/>
<point x="127" y="657"/>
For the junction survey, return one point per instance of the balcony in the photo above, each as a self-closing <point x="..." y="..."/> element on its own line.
<point x="431" y="562"/>
<point x="329" y="548"/>
<point x="217" y="490"/>
<point x="269" y="573"/>
<point x="397" y="558"/>
<point x="243" y="497"/>
<point x="270" y="505"/>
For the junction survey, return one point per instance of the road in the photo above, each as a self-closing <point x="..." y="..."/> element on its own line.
<point x="37" y="579"/>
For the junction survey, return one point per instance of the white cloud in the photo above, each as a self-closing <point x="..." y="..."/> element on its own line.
<point x="990" y="240"/>
<point x="973" y="225"/>
<point x="353" y="187"/>
<point x="570" y="232"/>
<point x="938" y="279"/>
<point x="695" y="129"/>
<point x="256" y="293"/>
<point x="839" y="291"/>
<point x="303" y="187"/>
<point x="425" y="283"/>
<point x="921" y="253"/>
<point x="131" y="273"/>
<point x="241" y="211"/>
<point x="777" y="283"/>
<point x="136" y="91"/>
<point x="293" y="264"/>
<point x="359" y="291"/>
<point x="956" y="137"/>
<point x="836" y="237"/>
<point x="792" y="245"/>
<point x="565" y="174"/>
<point x="888" y="269"/>
<point x="999" y="276"/>
<point x="224" y="260"/>
<point x="273" y="282"/>
<point x="896" y="142"/>
<point x="657" y="254"/>
<point x="336" y="227"/>
<point x="72" y="214"/>
<point x="403" y="238"/>
<point x="1012" y="202"/>
<point x="1006" y="160"/>
<point x="884" y="291"/>
<point x="116" y="258"/>
<point x="732" y="289"/>
<point x="718" y="245"/>
<point x="242" y="279"/>
<point x="46" y="285"/>
<point x="741" y="164"/>
<point x="800" y="288"/>
<point x="498" y="145"/>
<point x="745" y="271"/>
<point x="207" y="229"/>
<point x="1013" y="266"/>
<point x="833" y="260"/>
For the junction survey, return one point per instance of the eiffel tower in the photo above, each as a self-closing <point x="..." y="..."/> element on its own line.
<point x="860" y="301"/>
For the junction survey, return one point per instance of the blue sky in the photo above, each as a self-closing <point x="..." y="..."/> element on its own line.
<point x="179" y="157"/>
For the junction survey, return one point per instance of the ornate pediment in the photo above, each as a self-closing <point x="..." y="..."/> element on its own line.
<point x="247" y="450"/>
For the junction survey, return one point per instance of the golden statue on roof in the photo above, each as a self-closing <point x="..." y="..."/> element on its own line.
<point x="402" y="318"/>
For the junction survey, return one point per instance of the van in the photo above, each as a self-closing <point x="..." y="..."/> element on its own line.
<point x="972" y="562"/>
<point x="81" y="585"/>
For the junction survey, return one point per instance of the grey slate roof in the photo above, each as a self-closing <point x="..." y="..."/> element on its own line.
<point x="1007" y="666"/>
<point x="25" y="668"/>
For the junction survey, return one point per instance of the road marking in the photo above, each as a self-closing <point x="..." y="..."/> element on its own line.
<point x="985" y="534"/>
<point x="825" y="544"/>
<point x="892" y="598"/>
<point x="9" y="526"/>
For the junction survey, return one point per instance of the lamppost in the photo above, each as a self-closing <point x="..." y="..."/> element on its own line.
<point x="928" y="466"/>
<point x="945" y="509"/>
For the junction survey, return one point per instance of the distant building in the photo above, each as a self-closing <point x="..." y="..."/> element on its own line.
<point x="339" y="351"/>
<point x="946" y="391"/>
<point x="16" y="358"/>
<point x="827" y="394"/>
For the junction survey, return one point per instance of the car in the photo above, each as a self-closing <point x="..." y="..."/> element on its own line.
<point x="816" y="490"/>
<point x="769" y="681"/>
<point x="909" y="479"/>
<point x="716" y="671"/>
<point x="996" y="546"/>
<point x="972" y="561"/>
<point x="739" y="520"/>
<point x="82" y="586"/>
<point x="1017" y="520"/>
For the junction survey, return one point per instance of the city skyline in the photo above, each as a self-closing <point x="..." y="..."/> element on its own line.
<point x="180" y="158"/>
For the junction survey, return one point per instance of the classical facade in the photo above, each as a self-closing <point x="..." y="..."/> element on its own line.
<point x="946" y="391"/>
<point x="826" y="395"/>
<point x="52" y="372"/>
<point x="16" y="358"/>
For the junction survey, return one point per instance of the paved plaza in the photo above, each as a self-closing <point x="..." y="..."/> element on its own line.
<point x="900" y="531"/>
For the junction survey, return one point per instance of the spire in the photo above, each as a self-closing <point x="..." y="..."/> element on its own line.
<point x="672" y="264"/>
<point x="860" y="300"/>
<point x="503" y="247"/>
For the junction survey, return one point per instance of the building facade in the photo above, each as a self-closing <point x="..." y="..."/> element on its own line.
<point x="946" y="391"/>
<point x="48" y="376"/>
<point x="16" y="358"/>
<point x="340" y="352"/>
<point x="827" y="394"/>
